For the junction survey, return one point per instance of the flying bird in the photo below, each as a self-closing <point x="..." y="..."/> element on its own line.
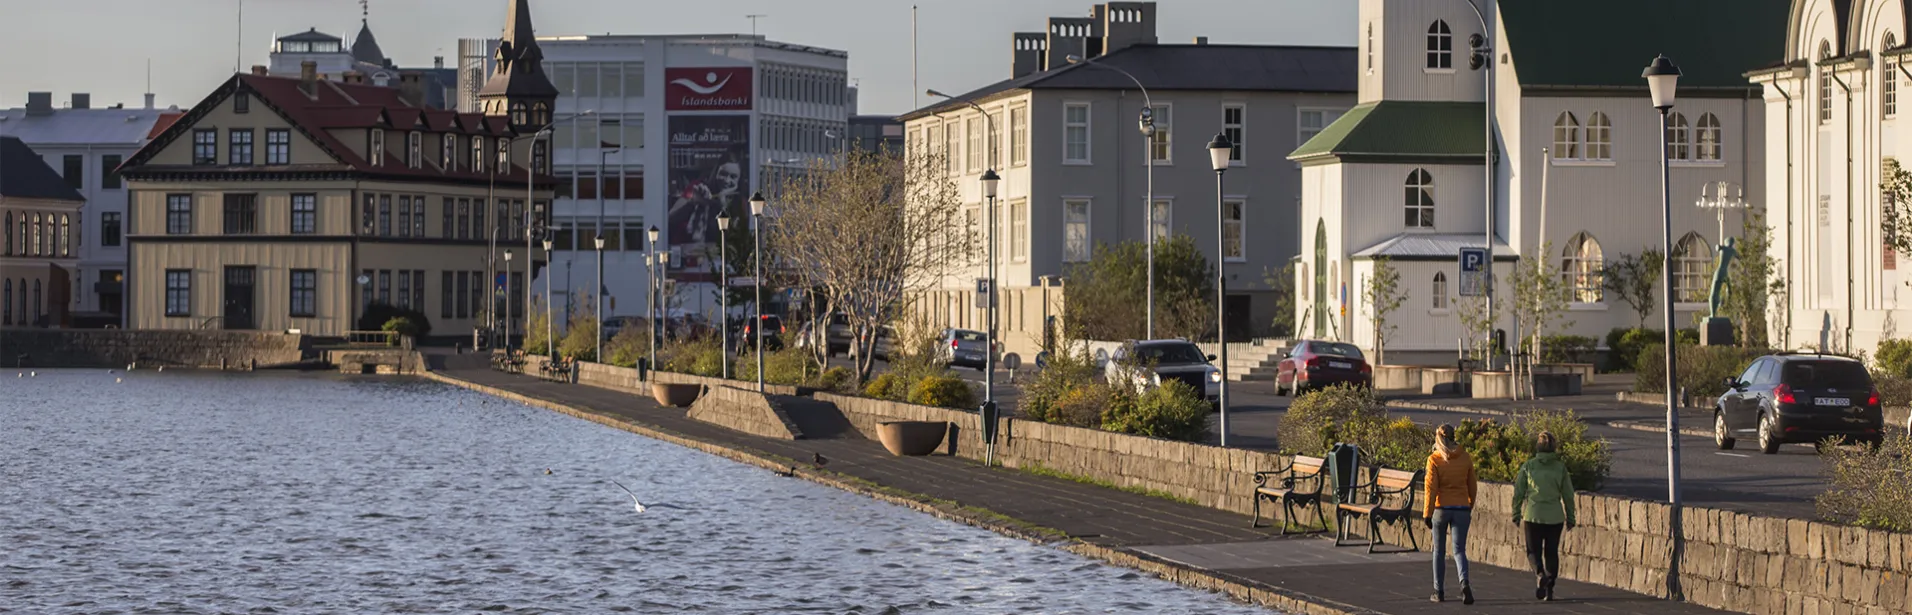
<point x="634" y="501"/>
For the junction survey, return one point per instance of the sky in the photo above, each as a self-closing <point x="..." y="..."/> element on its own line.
<point x="103" y="47"/>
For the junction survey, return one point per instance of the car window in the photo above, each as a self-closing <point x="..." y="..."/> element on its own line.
<point x="1752" y="372"/>
<point x="1826" y="374"/>
<point x="1768" y="372"/>
<point x="969" y="336"/>
<point x="1336" y="349"/>
<point x="1170" y="354"/>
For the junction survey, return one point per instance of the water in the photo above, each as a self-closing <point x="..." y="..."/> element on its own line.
<point x="218" y="493"/>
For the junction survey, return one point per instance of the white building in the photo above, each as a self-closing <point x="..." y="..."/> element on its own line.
<point x="86" y="145"/>
<point x="671" y="119"/>
<point x="1832" y="111"/>
<point x="1576" y="157"/>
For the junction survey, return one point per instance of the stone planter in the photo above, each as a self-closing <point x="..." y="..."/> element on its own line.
<point x="1389" y="377"/>
<point x="676" y="395"/>
<point x="1493" y="385"/>
<point x="1443" y="381"/>
<point x="1556" y="384"/>
<point x="912" y="438"/>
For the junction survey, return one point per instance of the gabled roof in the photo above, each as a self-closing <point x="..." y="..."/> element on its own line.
<point x="1713" y="42"/>
<point x="311" y="36"/>
<point x="1238" y="68"/>
<point x="24" y="175"/>
<point x="1427" y="131"/>
<point x="107" y="127"/>
<point x="1431" y="247"/>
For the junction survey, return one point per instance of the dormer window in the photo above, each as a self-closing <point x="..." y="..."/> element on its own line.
<point x="449" y="163"/>
<point x="518" y="114"/>
<point x="541" y="114"/>
<point x="241" y="103"/>
<point x="376" y="153"/>
<point x="414" y="150"/>
<point x="504" y="156"/>
<point x="477" y="154"/>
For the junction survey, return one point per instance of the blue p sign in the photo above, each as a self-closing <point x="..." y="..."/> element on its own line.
<point x="1473" y="260"/>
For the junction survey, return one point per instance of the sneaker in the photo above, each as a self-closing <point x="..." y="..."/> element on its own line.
<point x="1550" y="588"/>
<point x="1437" y="597"/>
<point x="1540" y="588"/>
<point x="1467" y="594"/>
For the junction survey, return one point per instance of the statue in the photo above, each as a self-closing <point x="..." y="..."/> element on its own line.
<point x="1726" y="253"/>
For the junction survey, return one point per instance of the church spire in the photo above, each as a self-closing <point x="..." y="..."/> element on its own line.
<point x="518" y="87"/>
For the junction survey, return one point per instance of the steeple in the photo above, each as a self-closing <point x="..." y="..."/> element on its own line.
<point x="518" y="87"/>
<point x="365" y="46"/>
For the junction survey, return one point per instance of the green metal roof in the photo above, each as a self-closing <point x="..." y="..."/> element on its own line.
<point x="1438" y="131"/>
<point x="1606" y="45"/>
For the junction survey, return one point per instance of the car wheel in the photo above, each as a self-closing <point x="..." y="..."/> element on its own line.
<point x="1721" y="436"/>
<point x="1768" y="441"/>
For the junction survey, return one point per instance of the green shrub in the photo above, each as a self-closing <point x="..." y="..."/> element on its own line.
<point x="377" y="314"/>
<point x="1498" y="449"/>
<point x="628" y="346"/>
<point x="837" y="378"/>
<point x="1703" y="369"/>
<point x="1393" y="443"/>
<point x="1895" y="358"/>
<point x="1313" y="423"/>
<point x="1173" y="411"/>
<point x="535" y="339"/>
<point x="1868" y="487"/>
<point x="1083" y="406"/>
<point x="581" y="335"/>
<point x="881" y="386"/>
<point x="790" y="366"/>
<point x="402" y="326"/>
<point x="943" y="392"/>
<point x="1566" y="349"/>
<point x="1063" y="374"/>
<point x="1894" y="391"/>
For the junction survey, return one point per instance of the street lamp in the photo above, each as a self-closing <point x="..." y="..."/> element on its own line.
<point x="550" y="344"/>
<point x="498" y="222"/>
<point x="531" y="197"/>
<point x="1729" y="196"/>
<point x="1218" y="155"/>
<point x="1662" y="79"/>
<point x="598" y="310"/>
<point x="990" y="182"/>
<point x="1146" y="122"/>
<point x="757" y="203"/>
<point x="507" y="302"/>
<point x="650" y="307"/>
<point x="723" y="293"/>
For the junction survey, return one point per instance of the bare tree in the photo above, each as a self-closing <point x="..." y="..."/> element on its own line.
<point x="866" y="234"/>
<point x="1540" y="295"/>
<point x="1383" y="295"/>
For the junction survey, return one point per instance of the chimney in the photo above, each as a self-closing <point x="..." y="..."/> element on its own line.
<point x="260" y="70"/>
<point x="149" y="100"/>
<point x="1071" y="36"/>
<point x="1201" y="40"/>
<point x="411" y="87"/>
<point x="1026" y="57"/>
<point x="82" y="100"/>
<point x="309" y="77"/>
<point x="39" y="103"/>
<point x="438" y="62"/>
<point x="1126" y="24"/>
<point x="355" y="77"/>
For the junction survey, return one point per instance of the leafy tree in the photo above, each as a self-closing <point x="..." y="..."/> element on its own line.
<point x="1107" y="297"/>
<point x="580" y="339"/>
<point x="1476" y="323"/>
<point x="1383" y="295"/>
<point x="1282" y="281"/>
<point x="1633" y="277"/>
<point x="1540" y="295"/>
<point x="1752" y="281"/>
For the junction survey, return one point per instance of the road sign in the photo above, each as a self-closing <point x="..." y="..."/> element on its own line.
<point x="1473" y="272"/>
<point x="745" y="282"/>
<point x="500" y="281"/>
<point x="984" y="298"/>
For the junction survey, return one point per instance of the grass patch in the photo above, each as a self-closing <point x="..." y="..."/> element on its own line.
<point x="1041" y="470"/>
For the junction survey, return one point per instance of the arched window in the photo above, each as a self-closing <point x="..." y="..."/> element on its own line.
<point x="518" y="114"/>
<point x="1889" y="78"/>
<point x="1825" y="84"/>
<point x="1580" y="265"/>
<point x="6" y="304"/>
<point x="65" y="237"/>
<point x="39" y="305"/>
<point x="448" y="148"/>
<point x="1440" y="290"/>
<point x="1677" y="145"/>
<point x="1420" y="199"/>
<point x="33" y="247"/>
<point x="1306" y="282"/>
<point x="477" y="154"/>
<point x="1599" y="137"/>
<point x="1566" y="142"/>
<point x="1692" y="265"/>
<point x="1706" y="137"/>
<point x="8" y="227"/>
<point x="1440" y="46"/>
<point x="541" y="113"/>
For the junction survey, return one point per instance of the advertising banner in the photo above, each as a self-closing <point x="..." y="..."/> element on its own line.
<point x="710" y="173"/>
<point x="707" y="89"/>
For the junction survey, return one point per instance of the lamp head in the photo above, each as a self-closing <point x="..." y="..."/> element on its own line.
<point x="1074" y="59"/>
<point x="723" y="221"/>
<point x="1662" y="80"/>
<point x="507" y="256"/>
<point x="1218" y="152"/>
<point x="547" y="244"/>
<point x="933" y="92"/>
<point x="990" y="182"/>
<point x="1147" y="122"/>
<point x="653" y="233"/>
<point x="757" y="201"/>
<point x="599" y="240"/>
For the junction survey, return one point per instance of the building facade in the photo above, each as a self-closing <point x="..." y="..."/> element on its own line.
<point x="1076" y="171"/>
<point x="1575" y="162"/>
<point x="38" y="209"/>
<point x="361" y="61"/>
<point x="296" y="203"/>
<point x="86" y="145"/>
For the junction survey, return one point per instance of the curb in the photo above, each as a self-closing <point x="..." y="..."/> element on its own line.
<point x="1188" y="576"/>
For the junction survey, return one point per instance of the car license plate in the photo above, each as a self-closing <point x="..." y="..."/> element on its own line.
<point x="1340" y="365"/>
<point x="1831" y="401"/>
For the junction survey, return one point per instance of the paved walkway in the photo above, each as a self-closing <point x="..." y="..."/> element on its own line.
<point x="1216" y="541"/>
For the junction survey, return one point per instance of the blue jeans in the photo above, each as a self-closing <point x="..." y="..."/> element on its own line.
<point x="1450" y="522"/>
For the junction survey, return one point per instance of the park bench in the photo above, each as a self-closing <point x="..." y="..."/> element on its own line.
<point x="507" y="362"/>
<point x="1299" y="483"/>
<point x="559" y="369"/>
<point x="1389" y="498"/>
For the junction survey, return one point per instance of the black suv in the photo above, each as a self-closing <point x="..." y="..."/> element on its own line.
<point x="1800" y="398"/>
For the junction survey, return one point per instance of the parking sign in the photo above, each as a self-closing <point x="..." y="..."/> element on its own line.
<point x="1473" y="272"/>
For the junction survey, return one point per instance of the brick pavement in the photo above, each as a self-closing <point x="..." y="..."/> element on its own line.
<point x="1199" y="539"/>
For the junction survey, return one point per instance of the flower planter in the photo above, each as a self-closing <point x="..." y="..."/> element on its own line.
<point x="675" y="395"/>
<point x="912" y="438"/>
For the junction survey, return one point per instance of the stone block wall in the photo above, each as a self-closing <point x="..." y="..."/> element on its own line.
<point x="746" y="411"/>
<point x="118" y="347"/>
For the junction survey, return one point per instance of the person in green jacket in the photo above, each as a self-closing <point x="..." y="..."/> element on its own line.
<point x="1543" y="506"/>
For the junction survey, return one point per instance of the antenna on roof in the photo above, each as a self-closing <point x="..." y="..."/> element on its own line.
<point x="753" y="22"/>
<point x="239" y="38"/>
<point x="365" y="10"/>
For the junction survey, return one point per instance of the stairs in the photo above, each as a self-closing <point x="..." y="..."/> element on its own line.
<point x="1252" y="362"/>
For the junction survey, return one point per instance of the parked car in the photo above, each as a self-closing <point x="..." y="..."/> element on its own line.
<point x="885" y="343"/>
<point x="1799" y="398"/>
<point x="616" y="324"/>
<point x="1151" y="362"/>
<point x="772" y="328"/>
<point x="964" y="348"/>
<point x="836" y="333"/>
<point x="1314" y="364"/>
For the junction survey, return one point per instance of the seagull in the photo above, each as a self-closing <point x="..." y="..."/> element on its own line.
<point x="637" y="504"/>
<point x="118" y="380"/>
<point x="162" y="368"/>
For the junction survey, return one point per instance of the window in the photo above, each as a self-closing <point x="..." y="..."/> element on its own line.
<point x="461" y="221"/>
<point x="1677" y="146"/>
<point x="414" y="150"/>
<point x="376" y="151"/>
<point x="73" y="170"/>
<point x="477" y="154"/>
<point x="241" y="214"/>
<point x="1692" y="267"/>
<point x="973" y="226"/>
<point x="404" y="288"/>
<point x="1075" y="231"/>
<point x="1440" y="290"/>
<point x="1234" y="124"/>
<point x="278" y="146"/>
<point x="404" y="216"/>
<point x="1420" y="199"/>
<point x="65" y="238"/>
<point x="1018" y="136"/>
<point x="305" y="293"/>
<point x="1599" y="137"/>
<point x="418" y="289"/>
<point x="539" y="161"/>
<point x="633" y="80"/>
<point x="448" y="299"/>
<point x="974" y="156"/>
<point x="6" y="303"/>
<point x="1889" y="80"/>
<point x="1825" y="83"/>
<point x="1566" y="140"/>
<point x="1370" y="48"/>
<point x="37" y="247"/>
<point x="995" y="141"/>
<point x="1312" y="121"/>
<point x="6" y="226"/>
<point x="504" y="156"/>
<point x="239" y="150"/>
<point x="110" y="229"/>
<point x="1581" y="265"/>
<point x="241" y="103"/>
<point x="1234" y="213"/>
<point x="1161" y="214"/>
<point x="179" y="214"/>
<point x="179" y="292"/>
<point x="109" y="172"/>
<point x="1075" y="133"/>
<point x="518" y="112"/>
<point x="1706" y="137"/>
<point x="205" y="146"/>
<point x="951" y="136"/>
<point x="448" y="228"/>
<point x="448" y="152"/>
<point x="459" y="285"/>
<point x="478" y="230"/>
<point x="385" y="215"/>
<point x="305" y="214"/>
<point x="1019" y="231"/>
<point x="1161" y="141"/>
<point x="1440" y="46"/>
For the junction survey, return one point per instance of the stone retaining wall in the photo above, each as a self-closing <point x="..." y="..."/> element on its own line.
<point x="746" y="411"/>
<point x="118" y="347"/>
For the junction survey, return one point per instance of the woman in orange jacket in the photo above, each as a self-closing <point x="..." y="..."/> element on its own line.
<point x="1448" y="508"/>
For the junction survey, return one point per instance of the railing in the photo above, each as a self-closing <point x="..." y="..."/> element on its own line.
<point x="371" y="338"/>
<point x="208" y="322"/>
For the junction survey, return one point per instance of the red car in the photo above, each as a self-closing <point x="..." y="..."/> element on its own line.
<point x="1314" y="364"/>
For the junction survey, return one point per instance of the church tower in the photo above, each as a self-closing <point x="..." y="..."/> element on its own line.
<point x="518" y="88"/>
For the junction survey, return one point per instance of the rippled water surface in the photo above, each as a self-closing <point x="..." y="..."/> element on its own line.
<point x="218" y="493"/>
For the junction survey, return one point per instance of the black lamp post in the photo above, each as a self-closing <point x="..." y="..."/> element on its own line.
<point x="1218" y="154"/>
<point x="757" y="204"/>
<point x="1662" y="79"/>
<point x="723" y="293"/>
<point x="508" y="302"/>
<point x="598" y="310"/>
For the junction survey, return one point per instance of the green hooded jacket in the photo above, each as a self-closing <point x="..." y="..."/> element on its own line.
<point x="1543" y="491"/>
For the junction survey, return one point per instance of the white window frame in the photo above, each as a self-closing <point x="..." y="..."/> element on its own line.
<point x="1085" y="250"/>
<point x="1679" y="138"/>
<point x="1440" y="291"/>
<point x="1708" y="139"/>
<point x="1599" y="138"/>
<point x="1439" y="32"/>
<point x="973" y="221"/>
<point x="1019" y="231"/>
<point x="1426" y="202"/>
<point x="1825" y="83"/>
<point x="1237" y="133"/>
<point x="1692" y="269"/>
<point x="1088" y="132"/>
<point x="376" y="150"/>
<point x="1163" y="136"/>
<point x="1328" y="117"/>
<point x="1241" y="229"/>
<point x="1566" y="136"/>
<point x="1585" y="283"/>
<point x="1165" y="221"/>
<point x="973" y="146"/>
<point x="1370" y="49"/>
<point x="1019" y="135"/>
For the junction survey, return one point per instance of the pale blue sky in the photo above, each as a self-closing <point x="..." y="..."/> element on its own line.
<point x="101" y="46"/>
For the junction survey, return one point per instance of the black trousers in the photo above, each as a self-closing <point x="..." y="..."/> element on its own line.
<point x="1543" y="548"/>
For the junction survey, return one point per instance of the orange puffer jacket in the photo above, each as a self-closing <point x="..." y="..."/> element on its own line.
<point x="1450" y="482"/>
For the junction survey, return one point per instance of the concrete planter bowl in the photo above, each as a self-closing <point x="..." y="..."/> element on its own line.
<point x="676" y="395"/>
<point x="912" y="438"/>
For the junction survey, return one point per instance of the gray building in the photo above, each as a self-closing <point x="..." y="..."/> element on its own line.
<point x="1064" y="137"/>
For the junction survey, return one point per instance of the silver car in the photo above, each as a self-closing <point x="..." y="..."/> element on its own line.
<point x="964" y="348"/>
<point x="1150" y="363"/>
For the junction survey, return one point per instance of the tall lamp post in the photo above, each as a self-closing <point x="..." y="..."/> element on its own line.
<point x="1146" y="122"/>
<point x="550" y="343"/>
<point x="723" y="292"/>
<point x="757" y="204"/>
<point x="597" y="311"/>
<point x="1662" y="79"/>
<point x="650" y="303"/>
<point x="1219" y="151"/>
<point x="1730" y="196"/>
<point x="990" y="182"/>
<point x="508" y="302"/>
